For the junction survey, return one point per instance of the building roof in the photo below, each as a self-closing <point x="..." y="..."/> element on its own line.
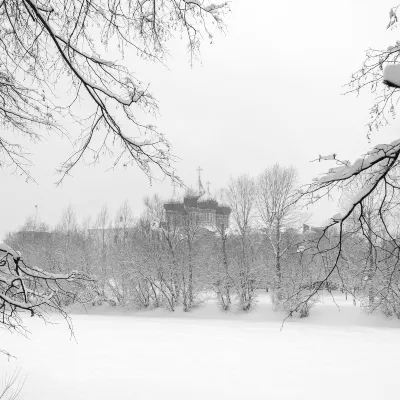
<point x="174" y="206"/>
<point x="197" y="199"/>
<point x="223" y="210"/>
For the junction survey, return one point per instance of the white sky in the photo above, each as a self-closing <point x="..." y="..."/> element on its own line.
<point x="269" y="91"/>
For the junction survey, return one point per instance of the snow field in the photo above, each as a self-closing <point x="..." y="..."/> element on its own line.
<point x="207" y="354"/>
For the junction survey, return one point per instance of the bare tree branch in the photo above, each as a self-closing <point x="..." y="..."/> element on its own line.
<point x="45" y="46"/>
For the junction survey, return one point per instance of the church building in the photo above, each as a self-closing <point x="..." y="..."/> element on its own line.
<point x="199" y="207"/>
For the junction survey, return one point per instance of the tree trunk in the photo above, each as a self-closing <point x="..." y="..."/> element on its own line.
<point x="278" y="255"/>
<point x="225" y="261"/>
<point x="371" y="264"/>
<point x="190" y="278"/>
<point x="174" y="273"/>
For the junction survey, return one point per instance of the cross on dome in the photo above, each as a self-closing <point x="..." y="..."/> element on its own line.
<point x="201" y="188"/>
<point x="174" y="185"/>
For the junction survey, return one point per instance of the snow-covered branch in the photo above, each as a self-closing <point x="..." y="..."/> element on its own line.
<point x="24" y="288"/>
<point x="68" y="42"/>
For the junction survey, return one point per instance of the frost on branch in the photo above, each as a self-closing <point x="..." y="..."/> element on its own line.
<point x="380" y="66"/>
<point x="28" y="289"/>
<point x="83" y="45"/>
<point x="328" y="157"/>
<point x="375" y="166"/>
<point x="369" y="190"/>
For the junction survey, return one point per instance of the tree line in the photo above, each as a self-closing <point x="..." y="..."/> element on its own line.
<point x="147" y="262"/>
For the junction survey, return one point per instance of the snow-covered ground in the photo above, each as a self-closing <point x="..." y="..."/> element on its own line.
<point x="207" y="354"/>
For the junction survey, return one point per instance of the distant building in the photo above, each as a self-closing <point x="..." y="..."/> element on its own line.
<point x="307" y="229"/>
<point x="34" y="235"/>
<point x="199" y="207"/>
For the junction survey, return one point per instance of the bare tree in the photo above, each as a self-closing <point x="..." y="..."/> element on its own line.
<point x="171" y="233"/>
<point x="241" y="195"/>
<point x="26" y="288"/>
<point x="102" y="235"/>
<point x="68" y="223"/>
<point x="379" y="175"/>
<point x="102" y="224"/>
<point x="12" y="386"/>
<point x="277" y="210"/>
<point x="124" y="219"/>
<point x="33" y="223"/>
<point x="370" y="77"/>
<point x="156" y="271"/>
<point x="190" y="231"/>
<point x="88" y="252"/>
<point x="371" y="223"/>
<point x="46" y="46"/>
<point x="120" y="251"/>
<point x="67" y="229"/>
<point x="378" y="170"/>
<point x="154" y="210"/>
<point x="158" y="265"/>
<point x="223" y="283"/>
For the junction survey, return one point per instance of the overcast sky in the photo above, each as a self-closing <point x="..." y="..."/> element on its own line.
<point x="268" y="91"/>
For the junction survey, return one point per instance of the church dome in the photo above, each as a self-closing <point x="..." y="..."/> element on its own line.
<point x="191" y="197"/>
<point x="173" y="205"/>
<point x="223" y="205"/>
<point x="207" y="202"/>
